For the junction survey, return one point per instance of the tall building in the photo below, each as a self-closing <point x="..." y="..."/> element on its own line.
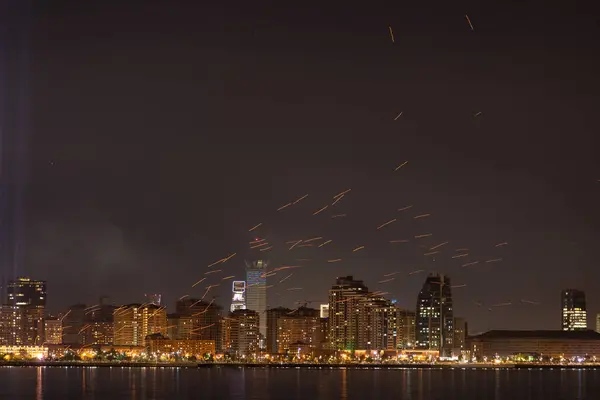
<point x="324" y="308"/>
<point x="133" y="322"/>
<point x="10" y="325"/>
<point x="238" y="299"/>
<point x="243" y="332"/>
<point x="344" y="297"/>
<point x="299" y="329"/>
<point x="574" y="312"/>
<point x="273" y="315"/>
<point x="460" y="335"/>
<point x="15" y="120"/>
<point x="598" y="323"/>
<point x="203" y="320"/>
<point x="375" y="315"/>
<point x="29" y="297"/>
<point x="256" y="292"/>
<point x="434" y="317"/>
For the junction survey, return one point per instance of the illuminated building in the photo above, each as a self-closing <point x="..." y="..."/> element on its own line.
<point x="99" y="325"/>
<point x="26" y="352"/>
<point x="273" y="315"/>
<point x="24" y="292"/>
<point x="244" y="332"/>
<point x="555" y="344"/>
<point x="29" y="296"/>
<point x="574" y="312"/>
<point x="324" y="311"/>
<point x="256" y="292"/>
<point x="434" y="317"/>
<point x="133" y="322"/>
<point x="53" y="330"/>
<point x="204" y="318"/>
<point x="238" y="300"/>
<point x="375" y="314"/>
<point x="406" y="329"/>
<point x="10" y="325"/>
<point x="344" y="297"/>
<point x="460" y="335"/>
<point x="189" y="347"/>
<point x="298" y="329"/>
<point x="598" y="323"/>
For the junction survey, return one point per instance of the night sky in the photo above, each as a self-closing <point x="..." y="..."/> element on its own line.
<point x="163" y="131"/>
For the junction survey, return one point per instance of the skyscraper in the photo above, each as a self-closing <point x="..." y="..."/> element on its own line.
<point x="256" y="292"/>
<point x="29" y="298"/>
<point x="344" y="297"/>
<point x="598" y="323"/>
<point x="434" y="316"/>
<point x="574" y="314"/>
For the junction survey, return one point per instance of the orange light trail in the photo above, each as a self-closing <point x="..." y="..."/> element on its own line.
<point x="358" y="248"/>
<point x="391" y="221"/>
<point x="421" y="216"/>
<point x="300" y="199"/>
<point x="320" y="210"/>
<point x="342" y="193"/>
<point x="284" y="206"/>
<point x="254" y="227"/>
<point x="460" y="255"/>
<point x="401" y="165"/>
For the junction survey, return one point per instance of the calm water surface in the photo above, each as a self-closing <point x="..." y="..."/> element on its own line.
<point x="287" y="384"/>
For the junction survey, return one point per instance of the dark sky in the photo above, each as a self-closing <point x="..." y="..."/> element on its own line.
<point x="164" y="130"/>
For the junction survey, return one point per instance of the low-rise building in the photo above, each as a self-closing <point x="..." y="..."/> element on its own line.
<point x="186" y="347"/>
<point x="554" y="344"/>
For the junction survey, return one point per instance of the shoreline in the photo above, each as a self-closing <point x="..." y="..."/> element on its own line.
<point x="100" y="364"/>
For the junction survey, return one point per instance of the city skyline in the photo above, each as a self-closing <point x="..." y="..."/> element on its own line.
<point x="138" y="167"/>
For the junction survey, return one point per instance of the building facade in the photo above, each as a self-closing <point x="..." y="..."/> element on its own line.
<point x="53" y="330"/>
<point x="202" y="319"/>
<point x="242" y="333"/>
<point x="574" y="310"/>
<point x="434" y="316"/>
<point x="555" y="344"/>
<point x="299" y="329"/>
<point x="344" y="298"/>
<point x="256" y="292"/>
<point x="273" y="315"/>
<point x="190" y="347"/>
<point x="460" y="335"/>
<point x="29" y="298"/>
<point x="133" y="322"/>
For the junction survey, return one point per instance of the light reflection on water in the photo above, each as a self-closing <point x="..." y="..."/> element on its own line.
<point x="273" y="384"/>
